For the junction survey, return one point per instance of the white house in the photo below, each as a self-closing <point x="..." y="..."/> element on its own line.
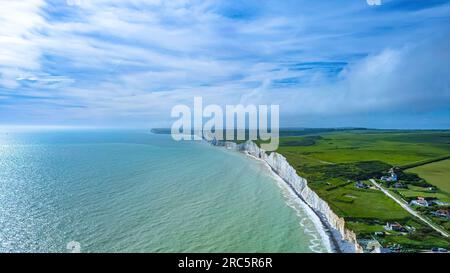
<point x="420" y="202"/>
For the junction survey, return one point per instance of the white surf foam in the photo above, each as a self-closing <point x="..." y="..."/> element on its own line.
<point x="293" y="201"/>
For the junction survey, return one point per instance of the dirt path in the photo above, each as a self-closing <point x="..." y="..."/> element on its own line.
<point x="409" y="209"/>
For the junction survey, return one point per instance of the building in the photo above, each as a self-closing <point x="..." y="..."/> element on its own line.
<point x="394" y="177"/>
<point x="438" y="203"/>
<point x="439" y="249"/>
<point x="391" y="178"/>
<point x="394" y="227"/>
<point x="373" y="246"/>
<point x="442" y="213"/>
<point x="385" y="250"/>
<point x="370" y="245"/>
<point x="399" y="185"/>
<point x="420" y="201"/>
<point x="361" y="185"/>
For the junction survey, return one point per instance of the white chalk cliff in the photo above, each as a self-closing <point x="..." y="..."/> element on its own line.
<point x="344" y="240"/>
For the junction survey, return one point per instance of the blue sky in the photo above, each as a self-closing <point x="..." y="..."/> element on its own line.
<point x="127" y="63"/>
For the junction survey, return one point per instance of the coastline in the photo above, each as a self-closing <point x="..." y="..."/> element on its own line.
<point x="326" y="236"/>
<point x="330" y="226"/>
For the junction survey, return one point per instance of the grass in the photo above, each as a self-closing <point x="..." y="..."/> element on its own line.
<point x="333" y="161"/>
<point x="412" y="192"/>
<point x="425" y="242"/>
<point x="424" y="162"/>
<point x="365" y="229"/>
<point x="424" y="238"/>
<point x="363" y="205"/>
<point x="390" y="147"/>
<point x="437" y="174"/>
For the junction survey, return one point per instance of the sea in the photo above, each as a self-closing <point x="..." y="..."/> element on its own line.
<point x="109" y="190"/>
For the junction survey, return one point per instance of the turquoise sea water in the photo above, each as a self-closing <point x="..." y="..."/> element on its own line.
<point x="133" y="191"/>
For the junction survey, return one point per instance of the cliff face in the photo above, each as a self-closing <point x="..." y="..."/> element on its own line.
<point x="344" y="238"/>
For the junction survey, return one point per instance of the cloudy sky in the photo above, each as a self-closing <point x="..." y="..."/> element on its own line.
<point x="127" y="63"/>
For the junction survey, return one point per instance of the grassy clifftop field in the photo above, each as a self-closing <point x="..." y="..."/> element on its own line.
<point x="334" y="160"/>
<point x="437" y="173"/>
<point x="396" y="148"/>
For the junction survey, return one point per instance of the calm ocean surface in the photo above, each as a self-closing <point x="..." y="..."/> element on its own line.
<point x="133" y="191"/>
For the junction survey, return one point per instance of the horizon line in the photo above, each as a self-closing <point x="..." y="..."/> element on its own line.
<point x="104" y="127"/>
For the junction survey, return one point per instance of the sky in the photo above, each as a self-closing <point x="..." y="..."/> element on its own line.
<point x="327" y="63"/>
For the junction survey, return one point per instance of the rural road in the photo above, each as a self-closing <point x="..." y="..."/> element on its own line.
<point x="408" y="208"/>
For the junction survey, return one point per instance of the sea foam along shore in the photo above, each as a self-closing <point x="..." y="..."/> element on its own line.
<point x="291" y="195"/>
<point x="340" y="238"/>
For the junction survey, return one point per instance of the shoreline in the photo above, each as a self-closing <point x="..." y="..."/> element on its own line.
<point x="340" y="239"/>
<point x="326" y="235"/>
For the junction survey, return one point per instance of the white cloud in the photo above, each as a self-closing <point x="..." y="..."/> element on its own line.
<point x="410" y="79"/>
<point x="105" y="59"/>
<point x="18" y="50"/>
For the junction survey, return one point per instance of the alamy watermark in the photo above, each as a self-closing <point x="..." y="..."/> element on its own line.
<point x="236" y="123"/>
<point x="374" y="2"/>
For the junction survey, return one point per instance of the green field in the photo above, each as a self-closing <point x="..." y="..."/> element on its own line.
<point x="413" y="192"/>
<point x="333" y="160"/>
<point x="396" y="148"/>
<point x="437" y="174"/>
<point x="358" y="204"/>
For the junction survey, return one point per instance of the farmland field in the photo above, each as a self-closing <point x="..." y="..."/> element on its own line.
<point x="333" y="160"/>
<point x="396" y="148"/>
<point x="413" y="192"/>
<point x="437" y="174"/>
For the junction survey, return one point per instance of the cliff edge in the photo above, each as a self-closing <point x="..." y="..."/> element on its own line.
<point x="344" y="240"/>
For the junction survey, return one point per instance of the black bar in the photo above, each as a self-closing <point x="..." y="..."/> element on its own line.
<point x="222" y="262"/>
